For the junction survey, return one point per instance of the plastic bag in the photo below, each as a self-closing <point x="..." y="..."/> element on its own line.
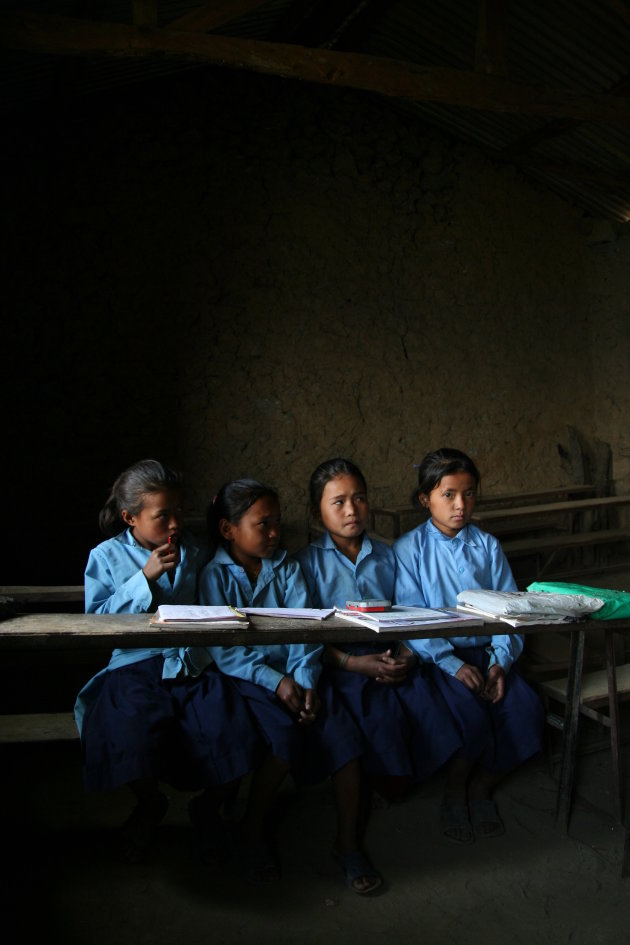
<point x="616" y="606"/>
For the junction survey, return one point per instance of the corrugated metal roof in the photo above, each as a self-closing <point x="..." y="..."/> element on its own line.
<point x="575" y="45"/>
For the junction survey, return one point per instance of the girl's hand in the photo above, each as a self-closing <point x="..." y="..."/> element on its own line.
<point x="471" y="677"/>
<point x="164" y="558"/>
<point x="310" y="708"/>
<point x="494" y="688"/>
<point x="383" y="667"/>
<point x="291" y="694"/>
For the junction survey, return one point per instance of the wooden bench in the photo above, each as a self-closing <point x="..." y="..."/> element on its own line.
<point x="567" y="512"/>
<point x="545" y="548"/>
<point x="485" y="502"/>
<point x="38" y="727"/>
<point x="599" y="689"/>
<point x="47" y="594"/>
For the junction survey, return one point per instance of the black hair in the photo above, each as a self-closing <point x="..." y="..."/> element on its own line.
<point x="440" y="463"/>
<point x="232" y="501"/>
<point x="129" y="490"/>
<point x="326" y="471"/>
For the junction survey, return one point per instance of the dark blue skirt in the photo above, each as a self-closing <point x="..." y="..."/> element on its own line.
<point x="314" y="752"/>
<point x="407" y="729"/>
<point x="191" y="732"/>
<point x="499" y="737"/>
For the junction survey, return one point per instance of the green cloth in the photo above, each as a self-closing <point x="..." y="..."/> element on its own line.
<point x="616" y="606"/>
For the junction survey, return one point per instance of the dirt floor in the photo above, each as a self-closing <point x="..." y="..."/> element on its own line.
<point x="533" y="885"/>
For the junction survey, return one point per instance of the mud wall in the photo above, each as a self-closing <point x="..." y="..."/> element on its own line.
<point x="245" y="276"/>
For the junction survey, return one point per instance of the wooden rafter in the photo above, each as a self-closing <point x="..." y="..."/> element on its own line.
<point x="490" y="49"/>
<point x="67" y="36"/>
<point x="209" y="16"/>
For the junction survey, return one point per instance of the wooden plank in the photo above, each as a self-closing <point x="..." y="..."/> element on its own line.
<point x="62" y="593"/>
<point x="552" y="508"/>
<point x="505" y="499"/>
<point x="594" y="686"/>
<point x="47" y="632"/>
<point x="209" y="16"/>
<point x="602" y="536"/>
<point x="67" y="36"/>
<point x="38" y="727"/>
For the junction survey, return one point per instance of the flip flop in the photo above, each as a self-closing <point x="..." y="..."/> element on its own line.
<point x="485" y="819"/>
<point x="355" y="866"/>
<point x="455" y="824"/>
<point x="256" y="862"/>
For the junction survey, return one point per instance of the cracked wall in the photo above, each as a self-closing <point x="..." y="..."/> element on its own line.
<point x="246" y="276"/>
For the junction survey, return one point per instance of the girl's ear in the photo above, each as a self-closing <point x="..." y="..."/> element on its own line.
<point x="424" y="500"/>
<point x="225" y="529"/>
<point x="127" y="517"/>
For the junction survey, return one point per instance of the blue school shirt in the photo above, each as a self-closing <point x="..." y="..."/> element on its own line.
<point x="431" y="570"/>
<point x="115" y="584"/>
<point x="332" y="578"/>
<point x="280" y="583"/>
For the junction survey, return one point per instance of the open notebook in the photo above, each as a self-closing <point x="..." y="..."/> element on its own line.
<point x="217" y="616"/>
<point x="400" y="618"/>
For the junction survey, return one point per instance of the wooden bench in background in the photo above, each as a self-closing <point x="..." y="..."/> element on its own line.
<point x="397" y="516"/>
<point x="601" y="692"/>
<point x="39" y="726"/>
<point x="30" y="594"/>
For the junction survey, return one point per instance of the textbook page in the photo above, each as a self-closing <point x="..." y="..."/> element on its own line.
<point x="198" y="613"/>
<point x="404" y="617"/>
<point x="296" y="613"/>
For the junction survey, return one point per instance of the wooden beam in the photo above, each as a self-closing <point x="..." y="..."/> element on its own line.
<point x="144" y="13"/>
<point x="490" y="55"/>
<point x="209" y="16"/>
<point x="55" y="35"/>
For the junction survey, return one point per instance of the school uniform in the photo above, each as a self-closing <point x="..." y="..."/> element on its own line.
<point x="407" y="730"/>
<point x="164" y="714"/>
<point x="431" y="569"/>
<point x="314" y="751"/>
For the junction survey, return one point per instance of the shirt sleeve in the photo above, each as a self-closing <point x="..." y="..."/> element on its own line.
<point x="211" y="587"/>
<point x="247" y="663"/>
<point x="408" y="583"/>
<point x="103" y="596"/>
<point x="296" y="592"/>
<point x="505" y="650"/>
<point x="438" y="650"/>
<point x="304" y="663"/>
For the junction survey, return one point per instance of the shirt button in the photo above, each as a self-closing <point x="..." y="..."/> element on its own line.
<point x="461" y="570"/>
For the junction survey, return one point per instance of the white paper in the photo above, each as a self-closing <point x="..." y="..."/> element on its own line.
<point x="197" y="612"/>
<point x="307" y="613"/>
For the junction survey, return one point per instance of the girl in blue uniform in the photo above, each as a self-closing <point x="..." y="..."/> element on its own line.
<point x="305" y="729"/>
<point x="408" y="733"/>
<point x="500" y="716"/>
<point x="157" y="714"/>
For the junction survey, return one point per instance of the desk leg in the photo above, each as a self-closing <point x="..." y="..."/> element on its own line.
<point x="570" y="730"/>
<point x="613" y="711"/>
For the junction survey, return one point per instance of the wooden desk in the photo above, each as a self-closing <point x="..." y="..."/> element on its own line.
<point x="39" y="633"/>
<point x="46" y="632"/>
